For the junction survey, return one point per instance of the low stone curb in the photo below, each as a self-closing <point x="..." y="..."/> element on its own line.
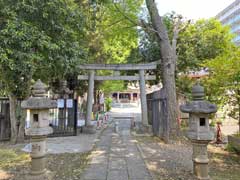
<point x="144" y="159"/>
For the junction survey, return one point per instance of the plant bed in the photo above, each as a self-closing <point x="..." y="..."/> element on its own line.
<point x="234" y="142"/>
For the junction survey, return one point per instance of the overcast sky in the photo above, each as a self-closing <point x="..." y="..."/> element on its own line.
<point x="193" y="9"/>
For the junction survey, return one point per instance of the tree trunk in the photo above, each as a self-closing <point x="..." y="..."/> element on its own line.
<point x="21" y="127"/>
<point x="13" y="118"/>
<point x="17" y="125"/>
<point x="168" y="66"/>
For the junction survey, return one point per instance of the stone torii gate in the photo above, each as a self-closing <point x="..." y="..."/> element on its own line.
<point x="117" y="67"/>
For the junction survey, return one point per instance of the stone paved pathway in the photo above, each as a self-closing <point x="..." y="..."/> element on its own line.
<point x="117" y="157"/>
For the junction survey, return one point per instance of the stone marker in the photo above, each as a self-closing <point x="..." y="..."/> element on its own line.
<point x="39" y="106"/>
<point x="199" y="132"/>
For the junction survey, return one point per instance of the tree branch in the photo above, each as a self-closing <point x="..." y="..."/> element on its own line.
<point x="141" y="23"/>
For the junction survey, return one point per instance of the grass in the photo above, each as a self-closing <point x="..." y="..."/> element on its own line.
<point x="11" y="158"/>
<point x="223" y="164"/>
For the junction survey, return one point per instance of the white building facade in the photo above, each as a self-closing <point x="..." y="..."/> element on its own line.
<point x="231" y="16"/>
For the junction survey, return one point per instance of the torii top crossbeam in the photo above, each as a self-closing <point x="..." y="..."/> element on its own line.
<point x="118" y="67"/>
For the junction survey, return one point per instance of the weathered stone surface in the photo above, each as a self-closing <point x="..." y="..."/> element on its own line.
<point x="96" y="172"/>
<point x="126" y="78"/>
<point x="90" y="129"/>
<point x="90" y="97"/>
<point x="138" y="172"/>
<point x="199" y="131"/>
<point x="117" y="163"/>
<point x="143" y="98"/>
<point x="118" y="66"/>
<point x="39" y="128"/>
<point x="199" y="107"/>
<point x="38" y="131"/>
<point x="39" y="99"/>
<point x="39" y="103"/>
<point x="117" y="174"/>
<point x="119" y="153"/>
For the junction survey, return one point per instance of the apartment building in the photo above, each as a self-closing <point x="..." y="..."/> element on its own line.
<point x="231" y="16"/>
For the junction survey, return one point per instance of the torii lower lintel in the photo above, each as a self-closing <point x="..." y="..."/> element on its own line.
<point x="117" y="67"/>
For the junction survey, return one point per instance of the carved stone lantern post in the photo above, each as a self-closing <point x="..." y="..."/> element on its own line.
<point x="39" y="106"/>
<point x="199" y="132"/>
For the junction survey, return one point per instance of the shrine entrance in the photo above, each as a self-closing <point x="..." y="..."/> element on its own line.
<point x="141" y="77"/>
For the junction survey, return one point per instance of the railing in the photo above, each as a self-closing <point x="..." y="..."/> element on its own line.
<point x="62" y="120"/>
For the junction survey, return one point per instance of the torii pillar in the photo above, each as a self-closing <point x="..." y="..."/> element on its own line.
<point x="89" y="128"/>
<point x="143" y="98"/>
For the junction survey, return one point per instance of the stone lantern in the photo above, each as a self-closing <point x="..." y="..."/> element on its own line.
<point x="199" y="132"/>
<point x="39" y="106"/>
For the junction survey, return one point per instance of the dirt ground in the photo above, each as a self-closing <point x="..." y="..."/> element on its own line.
<point x="173" y="161"/>
<point x="14" y="164"/>
<point x="164" y="161"/>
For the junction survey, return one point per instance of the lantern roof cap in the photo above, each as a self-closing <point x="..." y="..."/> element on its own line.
<point x="39" y="89"/>
<point x="198" y="105"/>
<point x="198" y="92"/>
<point x="203" y="107"/>
<point x="39" y="100"/>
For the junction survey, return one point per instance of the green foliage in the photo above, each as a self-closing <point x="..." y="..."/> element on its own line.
<point x="111" y="86"/>
<point x="108" y="103"/>
<point x="197" y="41"/>
<point x="212" y="124"/>
<point x="38" y="39"/>
<point x="184" y="85"/>
<point x="204" y="39"/>
<point x="223" y="84"/>
<point x="111" y="34"/>
<point x="17" y="55"/>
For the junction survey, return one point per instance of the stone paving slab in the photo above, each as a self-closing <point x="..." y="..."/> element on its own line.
<point x="117" y="175"/>
<point x="116" y="156"/>
<point x="72" y="144"/>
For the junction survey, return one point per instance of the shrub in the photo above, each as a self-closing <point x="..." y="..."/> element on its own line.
<point x="108" y="103"/>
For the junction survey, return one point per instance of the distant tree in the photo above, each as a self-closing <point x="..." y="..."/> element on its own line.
<point x="223" y="83"/>
<point x="201" y="40"/>
<point x="110" y="35"/>
<point x="112" y="86"/>
<point x="38" y="39"/>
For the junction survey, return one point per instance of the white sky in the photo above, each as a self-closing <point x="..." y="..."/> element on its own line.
<point x="193" y="9"/>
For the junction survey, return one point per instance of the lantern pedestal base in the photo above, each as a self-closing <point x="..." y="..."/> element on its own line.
<point x="200" y="159"/>
<point x="90" y="129"/>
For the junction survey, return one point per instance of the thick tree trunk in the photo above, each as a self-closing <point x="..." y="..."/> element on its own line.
<point x="168" y="66"/>
<point x="13" y="118"/>
<point x="17" y="125"/>
<point x="21" y="127"/>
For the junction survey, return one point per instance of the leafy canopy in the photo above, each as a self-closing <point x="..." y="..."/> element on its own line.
<point x="38" y="39"/>
<point x="205" y="39"/>
<point x="223" y="84"/>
